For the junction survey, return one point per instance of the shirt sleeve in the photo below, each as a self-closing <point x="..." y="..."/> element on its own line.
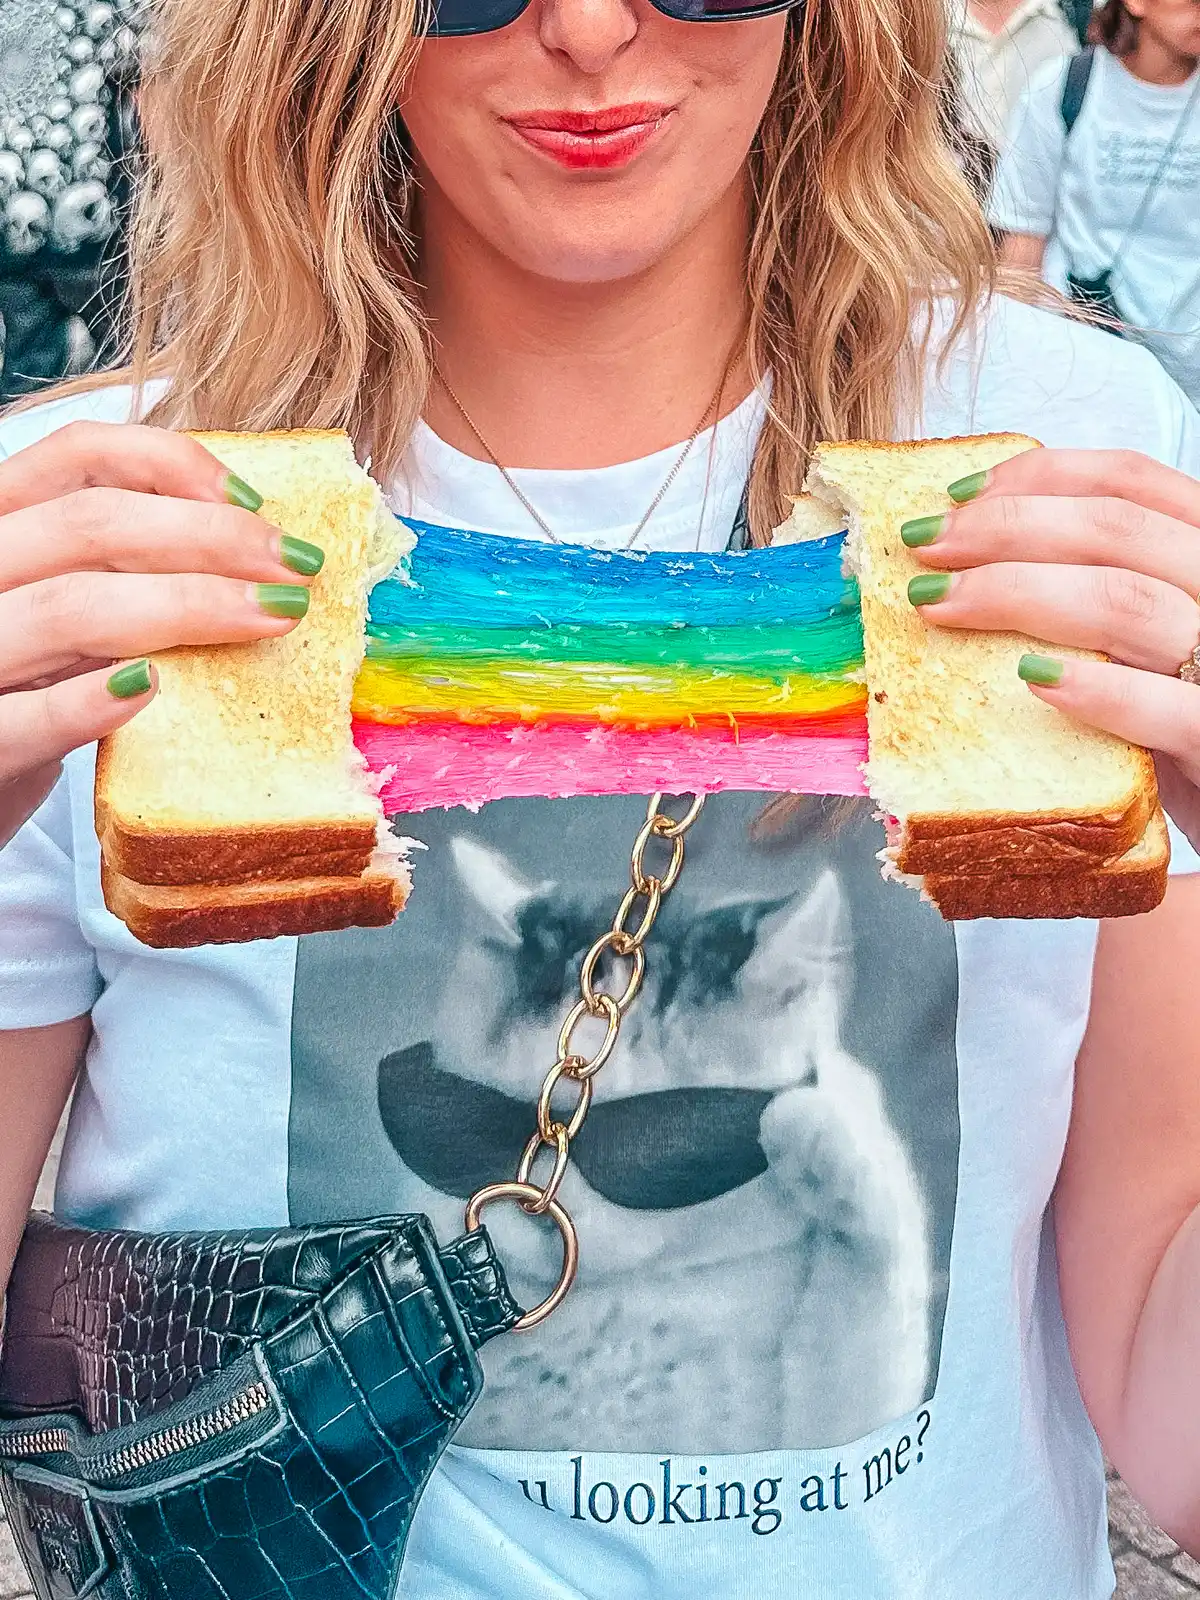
<point x="48" y="970"/>
<point x="1025" y="187"/>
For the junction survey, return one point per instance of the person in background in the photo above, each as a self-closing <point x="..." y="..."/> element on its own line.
<point x="1099" y="187"/>
<point x="998" y="45"/>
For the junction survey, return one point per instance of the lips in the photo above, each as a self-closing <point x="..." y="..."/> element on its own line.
<point x="608" y="137"/>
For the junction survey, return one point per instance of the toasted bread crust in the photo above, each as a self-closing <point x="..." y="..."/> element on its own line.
<point x="215" y="436"/>
<point x="249" y="854"/>
<point x="1050" y="843"/>
<point x="1121" y="889"/>
<point x="180" y="919"/>
<point x="826" y="448"/>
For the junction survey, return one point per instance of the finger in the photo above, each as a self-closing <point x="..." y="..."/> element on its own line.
<point x="1069" y="530"/>
<point x="1144" y="707"/>
<point x="73" y="670"/>
<point x="39" y="727"/>
<point x="46" y="627"/>
<point x="1138" y="620"/>
<point x="86" y="455"/>
<point x="117" y="530"/>
<point x="1119" y="474"/>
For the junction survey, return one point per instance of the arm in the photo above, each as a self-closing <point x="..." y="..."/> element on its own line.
<point x="1127" y="1208"/>
<point x="1101" y="550"/>
<point x="1023" y="251"/>
<point x="1024" y="195"/>
<point x="37" y="1069"/>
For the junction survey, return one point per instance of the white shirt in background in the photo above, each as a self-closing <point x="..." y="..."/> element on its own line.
<point x="994" y="68"/>
<point x="1082" y="194"/>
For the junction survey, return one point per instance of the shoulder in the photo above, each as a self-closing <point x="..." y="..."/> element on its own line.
<point x="1028" y="370"/>
<point x="1046" y="81"/>
<point x="116" y="404"/>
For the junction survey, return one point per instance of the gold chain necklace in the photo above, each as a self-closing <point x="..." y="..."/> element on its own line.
<point x="572" y="1067"/>
<point x="709" y="409"/>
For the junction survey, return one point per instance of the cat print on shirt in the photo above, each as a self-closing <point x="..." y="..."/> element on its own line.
<point x="737" y="1164"/>
<point x="757" y="1244"/>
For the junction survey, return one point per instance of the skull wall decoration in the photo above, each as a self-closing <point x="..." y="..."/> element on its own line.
<point x="58" y="62"/>
<point x="26" y="223"/>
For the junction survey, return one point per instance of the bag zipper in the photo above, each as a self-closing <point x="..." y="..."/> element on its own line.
<point x="46" y="1441"/>
<point x="155" y="1447"/>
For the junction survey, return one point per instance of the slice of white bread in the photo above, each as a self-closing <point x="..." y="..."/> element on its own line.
<point x="1134" y="883"/>
<point x="977" y="776"/>
<point x="242" y="769"/>
<point x="176" y="917"/>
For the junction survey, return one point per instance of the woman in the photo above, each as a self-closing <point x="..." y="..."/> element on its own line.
<point x="1099" y="185"/>
<point x="998" y="45"/>
<point x="817" y="1342"/>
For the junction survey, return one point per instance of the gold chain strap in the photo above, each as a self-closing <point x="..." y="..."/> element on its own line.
<point x="644" y="896"/>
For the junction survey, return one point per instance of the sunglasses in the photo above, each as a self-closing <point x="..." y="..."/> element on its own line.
<point x="454" y="18"/>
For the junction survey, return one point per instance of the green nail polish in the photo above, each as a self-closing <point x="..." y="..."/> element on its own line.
<point x="302" y="557"/>
<point x="1040" y="669"/>
<point x="927" y="588"/>
<point x="282" y="599"/>
<point x="129" y="681"/>
<point x="239" y="493"/>
<point x="921" y="530"/>
<point x="964" y="489"/>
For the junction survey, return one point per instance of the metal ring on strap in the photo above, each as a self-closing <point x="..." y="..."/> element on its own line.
<point x="526" y="1195"/>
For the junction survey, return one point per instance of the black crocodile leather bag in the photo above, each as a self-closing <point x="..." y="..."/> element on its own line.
<point x="224" y="1416"/>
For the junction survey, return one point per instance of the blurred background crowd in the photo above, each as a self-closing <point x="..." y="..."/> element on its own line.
<point x="1079" y="127"/>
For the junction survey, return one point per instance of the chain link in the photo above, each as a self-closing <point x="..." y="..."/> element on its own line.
<point x="572" y="1065"/>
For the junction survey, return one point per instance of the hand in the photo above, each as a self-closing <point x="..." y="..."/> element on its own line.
<point x="1099" y="549"/>
<point x="117" y="541"/>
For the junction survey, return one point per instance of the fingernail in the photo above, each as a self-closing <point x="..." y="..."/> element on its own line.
<point x="921" y="530"/>
<point x="281" y="599"/>
<point x="129" y="681"/>
<point x="239" y="493"/>
<point x="927" y="588"/>
<point x="964" y="489"/>
<point x="1044" y="670"/>
<point x="304" y="558"/>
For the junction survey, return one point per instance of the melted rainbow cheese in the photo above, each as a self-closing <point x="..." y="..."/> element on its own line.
<point x="499" y="667"/>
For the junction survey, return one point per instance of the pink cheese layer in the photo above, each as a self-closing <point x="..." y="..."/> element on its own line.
<point x="454" y="763"/>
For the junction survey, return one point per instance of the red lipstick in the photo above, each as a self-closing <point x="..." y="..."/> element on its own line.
<point x="607" y="138"/>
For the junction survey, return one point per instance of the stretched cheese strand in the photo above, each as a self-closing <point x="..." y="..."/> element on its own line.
<point x="451" y="764"/>
<point x="499" y="666"/>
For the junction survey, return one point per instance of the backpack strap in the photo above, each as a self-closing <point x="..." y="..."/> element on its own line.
<point x="1075" y="86"/>
<point x="1078" y="14"/>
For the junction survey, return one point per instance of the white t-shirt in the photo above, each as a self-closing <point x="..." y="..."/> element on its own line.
<point x="816" y="1345"/>
<point x="994" y="68"/>
<point x="1082" y="194"/>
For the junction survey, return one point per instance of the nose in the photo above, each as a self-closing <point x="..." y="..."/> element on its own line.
<point x="590" y="33"/>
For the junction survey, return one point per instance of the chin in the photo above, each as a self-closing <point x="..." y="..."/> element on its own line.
<point x="563" y="258"/>
<point x="580" y="237"/>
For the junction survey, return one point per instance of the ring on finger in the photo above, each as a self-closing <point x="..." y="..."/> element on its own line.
<point x="1190" y="669"/>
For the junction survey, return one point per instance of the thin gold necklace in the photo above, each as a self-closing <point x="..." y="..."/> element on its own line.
<point x="709" y="409"/>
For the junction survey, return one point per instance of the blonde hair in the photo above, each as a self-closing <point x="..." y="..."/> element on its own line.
<point x="272" y="249"/>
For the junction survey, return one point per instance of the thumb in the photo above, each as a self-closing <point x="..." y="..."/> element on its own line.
<point x="20" y="798"/>
<point x="38" y="727"/>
